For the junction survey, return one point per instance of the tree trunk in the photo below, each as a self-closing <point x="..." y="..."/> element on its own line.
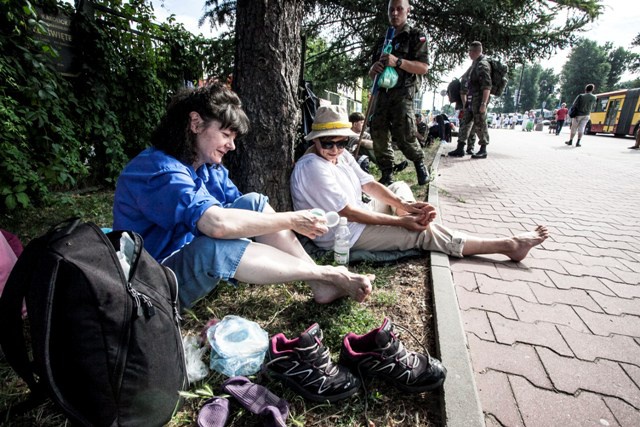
<point x="266" y="78"/>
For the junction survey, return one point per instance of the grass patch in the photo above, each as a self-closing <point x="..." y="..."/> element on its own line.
<point x="402" y="292"/>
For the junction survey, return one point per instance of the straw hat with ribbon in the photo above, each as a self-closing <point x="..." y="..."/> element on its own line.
<point x="330" y="120"/>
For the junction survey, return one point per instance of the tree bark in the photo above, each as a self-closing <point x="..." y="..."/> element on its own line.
<point x="266" y="76"/>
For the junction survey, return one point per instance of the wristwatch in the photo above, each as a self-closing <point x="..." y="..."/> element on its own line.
<point x="398" y="62"/>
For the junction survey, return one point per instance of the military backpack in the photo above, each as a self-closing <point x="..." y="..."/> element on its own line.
<point x="499" y="73"/>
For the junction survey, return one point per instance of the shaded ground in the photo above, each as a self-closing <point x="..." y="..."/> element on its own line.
<point x="402" y="292"/>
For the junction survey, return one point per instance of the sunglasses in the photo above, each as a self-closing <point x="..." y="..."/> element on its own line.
<point x="328" y="144"/>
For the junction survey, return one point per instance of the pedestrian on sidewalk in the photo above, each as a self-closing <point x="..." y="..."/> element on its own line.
<point x="477" y="92"/>
<point x="394" y="110"/>
<point x="583" y="104"/>
<point x="328" y="177"/>
<point x="561" y="116"/>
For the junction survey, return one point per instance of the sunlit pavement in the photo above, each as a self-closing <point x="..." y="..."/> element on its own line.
<point x="555" y="339"/>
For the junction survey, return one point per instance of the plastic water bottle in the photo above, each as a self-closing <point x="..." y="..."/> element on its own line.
<point x="341" y="243"/>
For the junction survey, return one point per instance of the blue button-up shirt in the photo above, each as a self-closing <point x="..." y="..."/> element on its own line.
<point x="162" y="199"/>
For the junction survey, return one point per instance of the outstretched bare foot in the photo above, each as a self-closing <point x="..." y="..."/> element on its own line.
<point x="525" y="241"/>
<point x="341" y="282"/>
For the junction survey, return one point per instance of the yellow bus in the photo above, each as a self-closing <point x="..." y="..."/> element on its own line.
<point x="616" y="113"/>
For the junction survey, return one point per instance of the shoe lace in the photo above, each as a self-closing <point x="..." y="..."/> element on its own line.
<point x="401" y="355"/>
<point x="411" y="354"/>
<point x="322" y="360"/>
<point x="317" y="355"/>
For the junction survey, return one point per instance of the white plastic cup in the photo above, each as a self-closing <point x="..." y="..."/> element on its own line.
<point x="332" y="218"/>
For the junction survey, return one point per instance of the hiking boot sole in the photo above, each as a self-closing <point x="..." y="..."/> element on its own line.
<point x="406" y="387"/>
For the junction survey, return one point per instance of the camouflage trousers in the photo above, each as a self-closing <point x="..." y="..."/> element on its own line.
<point x="394" y="117"/>
<point x="473" y="123"/>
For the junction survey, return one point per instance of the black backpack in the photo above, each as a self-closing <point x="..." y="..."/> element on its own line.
<point x="107" y="350"/>
<point x="499" y="74"/>
<point x="453" y="91"/>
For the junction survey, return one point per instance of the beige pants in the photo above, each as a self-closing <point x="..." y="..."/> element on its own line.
<point x="388" y="237"/>
<point x="577" y="126"/>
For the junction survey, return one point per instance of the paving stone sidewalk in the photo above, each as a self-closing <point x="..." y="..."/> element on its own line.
<point x="555" y="339"/>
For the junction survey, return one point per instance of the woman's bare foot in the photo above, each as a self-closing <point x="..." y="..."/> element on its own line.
<point x="525" y="241"/>
<point x="340" y="282"/>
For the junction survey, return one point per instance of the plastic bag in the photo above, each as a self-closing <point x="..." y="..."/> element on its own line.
<point x="388" y="78"/>
<point x="196" y="368"/>
<point x="238" y="346"/>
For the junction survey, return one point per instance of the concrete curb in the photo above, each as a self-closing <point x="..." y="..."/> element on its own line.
<point x="461" y="404"/>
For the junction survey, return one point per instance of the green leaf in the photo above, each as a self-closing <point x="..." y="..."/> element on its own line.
<point x="23" y="199"/>
<point x="10" y="202"/>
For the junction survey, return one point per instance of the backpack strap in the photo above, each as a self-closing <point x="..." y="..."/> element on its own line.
<point x="12" y="339"/>
<point x="17" y="287"/>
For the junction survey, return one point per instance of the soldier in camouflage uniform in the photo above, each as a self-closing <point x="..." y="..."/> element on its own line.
<point x="394" y="110"/>
<point x="476" y="91"/>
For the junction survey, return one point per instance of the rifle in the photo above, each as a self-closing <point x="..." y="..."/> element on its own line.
<point x="387" y="47"/>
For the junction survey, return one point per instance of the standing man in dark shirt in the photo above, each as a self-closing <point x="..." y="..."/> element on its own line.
<point x="584" y="104"/>
<point x="394" y="110"/>
<point x="475" y="97"/>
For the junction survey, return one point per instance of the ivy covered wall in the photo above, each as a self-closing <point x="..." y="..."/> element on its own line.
<point x="63" y="133"/>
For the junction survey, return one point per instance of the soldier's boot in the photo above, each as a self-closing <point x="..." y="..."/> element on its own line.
<point x="458" y="152"/>
<point x="399" y="167"/>
<point x="469" y="149"/>
<point x="387" y="177"/>
<point x="421" y="172"/>
<point x="481" y="154"/>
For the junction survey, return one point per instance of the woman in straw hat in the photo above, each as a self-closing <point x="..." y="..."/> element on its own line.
<point x="327" y="177"/>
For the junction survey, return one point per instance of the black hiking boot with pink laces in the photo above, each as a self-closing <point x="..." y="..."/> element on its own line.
<point x="305" y="366"/>
<point x="380" y="353"/>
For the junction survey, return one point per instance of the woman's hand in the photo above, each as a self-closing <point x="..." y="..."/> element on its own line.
<point x="308" y="224"/>
<point x="420" y="220"/>
<point x="415" y="207"/>
<point x="427" y="215"/>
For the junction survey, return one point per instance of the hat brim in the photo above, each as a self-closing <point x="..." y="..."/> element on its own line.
<point x="330" y="132"/>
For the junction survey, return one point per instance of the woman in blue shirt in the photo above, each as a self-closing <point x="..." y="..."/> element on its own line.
<point x="178" y="196"/>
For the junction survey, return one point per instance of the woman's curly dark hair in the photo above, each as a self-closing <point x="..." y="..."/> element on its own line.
<point x="213" y="102"/>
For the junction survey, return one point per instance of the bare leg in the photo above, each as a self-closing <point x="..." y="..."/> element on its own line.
<point x="265" y="264"/>
<point x="333" y="283"/>
<point x="516" y="247"/>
